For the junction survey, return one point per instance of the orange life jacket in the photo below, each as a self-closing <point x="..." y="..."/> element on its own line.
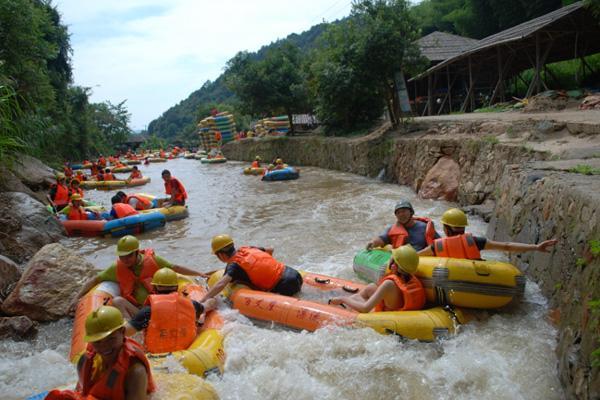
<point x="412" y="291"/>
<point x="80" y="177"/>
<point x="76" y="214"/>
<point x="399" y="235"/>
<point x="263" y="270"/>
<point x="181" y="195"/>
<point x="124" y="210"/>
<point x="459" y="246"/>
<point x="255" y="164"/>
<point x="218" y="136"/>
<point x="142" y="204"/>
<point x="110" y="385"/>
<point x="128" y="280"/>
<point x="102" y="161"/>
<point x="135" y="175"/>
<point x="68" y="172"/>
<point x="172" y="325"/>
<point x="61" y="197"/>
<point x="94" y="170"/>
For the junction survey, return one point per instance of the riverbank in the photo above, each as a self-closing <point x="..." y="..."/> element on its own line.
<point x="522" y="169"/>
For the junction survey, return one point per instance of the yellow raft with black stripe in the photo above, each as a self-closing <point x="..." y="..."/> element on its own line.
<point x="171" y="213"/>
<point x="485" y="284"/>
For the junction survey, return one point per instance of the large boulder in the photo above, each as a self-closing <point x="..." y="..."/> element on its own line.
<point x="49" y="284"/>
<point x="9" y="275"/>
<point x="33" y="173"/>
<point x="25" y="226"/>
<point x="17" y="327"/>
<point x="441" y="181"/>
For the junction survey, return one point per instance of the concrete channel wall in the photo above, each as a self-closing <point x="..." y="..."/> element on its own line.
<point x="535" y="200"/>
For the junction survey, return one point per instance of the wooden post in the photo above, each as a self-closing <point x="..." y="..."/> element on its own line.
<point x="537" y="63"/>
<point x="471" y="83"/>
<point x="449" y="90"/>
<point x="429" y="96"/>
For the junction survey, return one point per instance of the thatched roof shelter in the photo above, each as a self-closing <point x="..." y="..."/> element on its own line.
<point x="570" y="32"/>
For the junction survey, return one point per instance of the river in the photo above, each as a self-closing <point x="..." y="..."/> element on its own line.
<point x="315" y="223"/>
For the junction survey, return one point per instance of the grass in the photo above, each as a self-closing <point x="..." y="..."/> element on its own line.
<point x="491" y="139"/>
<point x="585" y="170"/>
<point x="564" y="72"/>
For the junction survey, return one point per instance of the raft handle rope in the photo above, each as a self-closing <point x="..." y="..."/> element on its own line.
<point x="324" y="281"/>
<point x="453" y="316"/>
<point x="350" y="289"/>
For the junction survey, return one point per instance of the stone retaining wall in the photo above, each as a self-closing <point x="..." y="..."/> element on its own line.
<point x="539" y="203"/>
<point x="536" y="201"/>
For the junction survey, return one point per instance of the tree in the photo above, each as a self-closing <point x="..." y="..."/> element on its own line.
<point x="272" y="85"/>
<point x="387" y="45"/>
<point x="342" y="89"/>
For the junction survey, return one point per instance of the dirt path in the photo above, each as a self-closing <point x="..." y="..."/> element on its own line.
<point x="574" y="116"/>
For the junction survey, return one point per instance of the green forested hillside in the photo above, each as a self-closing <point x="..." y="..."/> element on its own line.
<point x="346" y="80"/>
<point x="180" y="120"/>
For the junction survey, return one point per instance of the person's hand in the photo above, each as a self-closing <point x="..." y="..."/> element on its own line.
<point x="336" y="301"/>
<point x="545" y="245"/>
<point x="369" y="246"/>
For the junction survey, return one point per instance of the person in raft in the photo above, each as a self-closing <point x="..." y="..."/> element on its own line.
<point x="113" y="365"/>
<point x="458" y="244"/>
<point x="156" y="317"/>
<point x="75" y="187"/>
<point x="419" y="232"/>
<point x="253" y="266"/>
<point x="135" y="174"/>
<point x="76" y="210"/>
<point x="256" y="162"/>
<point x="133" y="271"/>
<point x="398" y="290"/>
<point x="175" y="188"/>
<point x="59" y="193"/>
<point x="120" y="209"/>
<point x="279" y="164"/>
<point x="136" y="201"/>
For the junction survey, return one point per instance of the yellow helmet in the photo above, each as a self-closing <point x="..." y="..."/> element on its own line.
<point x="219" y="242"/>
<point x="279" y="161"/>
<point x="455" y="218"/>
<point x="406" y="258"/>
<point x="165" y="277"/>
<point x="127" y="245"/>
<point x="102" y="322"/>
<point x="257" y="158"/>
<point x="76" y="196"/>
<point x="60" y="175"/>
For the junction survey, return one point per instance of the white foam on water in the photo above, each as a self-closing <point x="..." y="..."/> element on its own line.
<point x="316" y="223"/>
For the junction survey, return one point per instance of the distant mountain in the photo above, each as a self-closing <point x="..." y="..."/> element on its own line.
<point x="180" y="120"/>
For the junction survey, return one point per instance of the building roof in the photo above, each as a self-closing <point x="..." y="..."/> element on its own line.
<point x="555" y="24"/>
<point x="439" y="46"/>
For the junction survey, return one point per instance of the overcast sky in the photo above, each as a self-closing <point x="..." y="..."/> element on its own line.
<point x="154" y="53"/>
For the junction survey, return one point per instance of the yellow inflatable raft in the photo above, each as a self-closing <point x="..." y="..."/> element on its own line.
<point x="171" y="213"/>
<point x="114" y="185"/>
<point x="485" y="284"/>
<point x="253" y="171"/>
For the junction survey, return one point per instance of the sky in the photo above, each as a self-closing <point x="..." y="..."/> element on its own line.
<point x="154" y="53"/>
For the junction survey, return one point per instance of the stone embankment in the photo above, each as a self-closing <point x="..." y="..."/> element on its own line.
<point x="26" y="227"/>
<point x="507" y="170"/>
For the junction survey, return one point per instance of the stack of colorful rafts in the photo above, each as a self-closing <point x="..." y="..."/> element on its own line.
<point x="273" y="126"/>
<point x="216" y="130"/>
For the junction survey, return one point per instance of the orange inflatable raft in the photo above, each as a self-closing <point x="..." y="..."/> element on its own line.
<point x="425" y="325"/>
<point x="206" y="354"/>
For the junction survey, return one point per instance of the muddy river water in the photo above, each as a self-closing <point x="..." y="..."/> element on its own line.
<point x="316" y="223"/>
